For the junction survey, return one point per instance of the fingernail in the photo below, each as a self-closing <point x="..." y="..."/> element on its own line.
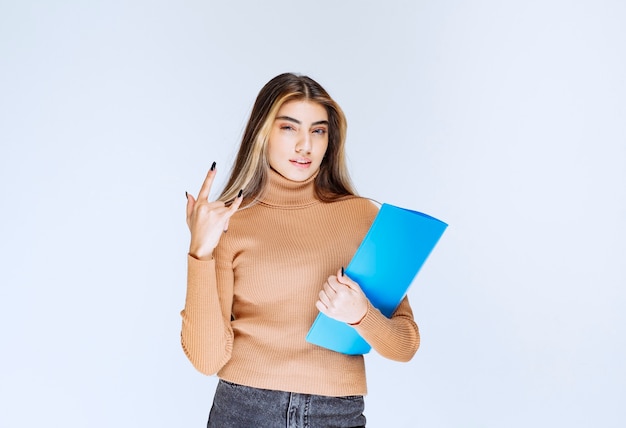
<point x="213" y="166"/>
<point x="186" y="195"/>
<point x="240" y="193"/>
<point x="341" y="270"/>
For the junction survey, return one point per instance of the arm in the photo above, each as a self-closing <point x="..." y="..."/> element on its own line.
<point x="396" y="338"/>
<point x="206" y="334"/>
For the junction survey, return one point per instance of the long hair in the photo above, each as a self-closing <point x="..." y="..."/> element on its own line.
<point x="250" y="170"/>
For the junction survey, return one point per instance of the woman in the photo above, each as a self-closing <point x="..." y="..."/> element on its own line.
<point x="293" y="220"/>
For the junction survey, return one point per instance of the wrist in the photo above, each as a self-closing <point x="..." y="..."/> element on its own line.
<point x="201" y="257"/>
<point x="200" y="251"/>
<point x="360" y="319"/>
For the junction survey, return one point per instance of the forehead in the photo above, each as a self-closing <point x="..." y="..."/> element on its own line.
<point x="303" y="110"/>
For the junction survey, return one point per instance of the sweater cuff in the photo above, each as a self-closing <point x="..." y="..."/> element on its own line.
<point x="373" y="319"/>
<point x="199" y="274"/>
<point x="200" y="260"/>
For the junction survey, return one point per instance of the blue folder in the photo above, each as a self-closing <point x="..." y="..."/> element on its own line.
<point x="384" y="265"/>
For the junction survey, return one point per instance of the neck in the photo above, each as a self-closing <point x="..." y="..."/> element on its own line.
<point x="284" y="193"/>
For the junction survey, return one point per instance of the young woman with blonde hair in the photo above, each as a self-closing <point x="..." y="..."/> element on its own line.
<point x="293" y="220"/>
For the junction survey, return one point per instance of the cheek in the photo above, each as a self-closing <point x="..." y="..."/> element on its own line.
<point x="272" y="150"/>
<point x="272" y="158"/>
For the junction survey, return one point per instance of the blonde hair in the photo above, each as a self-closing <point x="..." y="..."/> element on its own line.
<point x="250" y="170"/>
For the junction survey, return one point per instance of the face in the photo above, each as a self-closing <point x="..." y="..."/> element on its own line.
<point x="298" y="139"/>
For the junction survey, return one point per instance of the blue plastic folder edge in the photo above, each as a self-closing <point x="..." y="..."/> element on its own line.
<point x="385" y="264"/>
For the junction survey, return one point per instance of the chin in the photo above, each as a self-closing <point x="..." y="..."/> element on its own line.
<point x="296" y="175"/>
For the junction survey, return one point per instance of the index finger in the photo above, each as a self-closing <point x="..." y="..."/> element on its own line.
<point x="208" y="182"/>
<point x="347" y="281"/>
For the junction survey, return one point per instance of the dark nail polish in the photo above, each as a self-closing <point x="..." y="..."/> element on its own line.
<point x="240" y="193"/>
<point x="186" y="195"/>
<point x="341" y="270"/>
<point x="213" y="166"/>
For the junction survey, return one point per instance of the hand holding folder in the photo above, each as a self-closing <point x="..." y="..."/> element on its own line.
<point x="385" y="264"/>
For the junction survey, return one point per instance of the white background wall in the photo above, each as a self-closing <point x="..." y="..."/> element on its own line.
<point x="504" y="118"/>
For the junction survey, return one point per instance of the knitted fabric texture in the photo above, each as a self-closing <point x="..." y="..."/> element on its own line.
<point x="247" y="311"/>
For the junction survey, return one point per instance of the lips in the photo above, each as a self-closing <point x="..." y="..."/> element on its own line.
<point x="301" y="162"/>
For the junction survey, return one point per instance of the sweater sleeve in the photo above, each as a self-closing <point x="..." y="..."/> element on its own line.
<point x="396" y="338"/>
<point x="206" y="335"/>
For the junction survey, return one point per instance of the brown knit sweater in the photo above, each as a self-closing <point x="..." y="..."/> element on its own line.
<point x="248" y="310"/>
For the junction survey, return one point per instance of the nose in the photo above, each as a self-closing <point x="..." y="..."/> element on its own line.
<point x="304" y="144"/>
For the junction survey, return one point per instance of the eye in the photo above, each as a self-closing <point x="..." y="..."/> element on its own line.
<point x="287" y="128"/>
<point x="320" y="131"/>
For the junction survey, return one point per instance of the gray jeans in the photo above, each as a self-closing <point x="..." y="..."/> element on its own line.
<point x="238" y="406"/>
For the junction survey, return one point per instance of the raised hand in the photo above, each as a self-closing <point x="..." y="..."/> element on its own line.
<point x="208" y="220"/>
<point x="342" y="299"/>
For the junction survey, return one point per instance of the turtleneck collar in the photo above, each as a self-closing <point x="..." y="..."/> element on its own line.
<point x="284" y="193"/>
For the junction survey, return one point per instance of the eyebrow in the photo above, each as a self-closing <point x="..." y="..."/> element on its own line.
<point x="291" y="119"/>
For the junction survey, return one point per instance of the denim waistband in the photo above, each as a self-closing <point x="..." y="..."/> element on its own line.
<point x="239" y="406"/>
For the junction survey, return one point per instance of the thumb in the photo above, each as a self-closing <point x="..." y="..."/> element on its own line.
<point x="190" y="203"/>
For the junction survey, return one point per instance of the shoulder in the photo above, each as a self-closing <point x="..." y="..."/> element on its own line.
<point x="361" y="203"/>
<point x="359" y="207"/>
